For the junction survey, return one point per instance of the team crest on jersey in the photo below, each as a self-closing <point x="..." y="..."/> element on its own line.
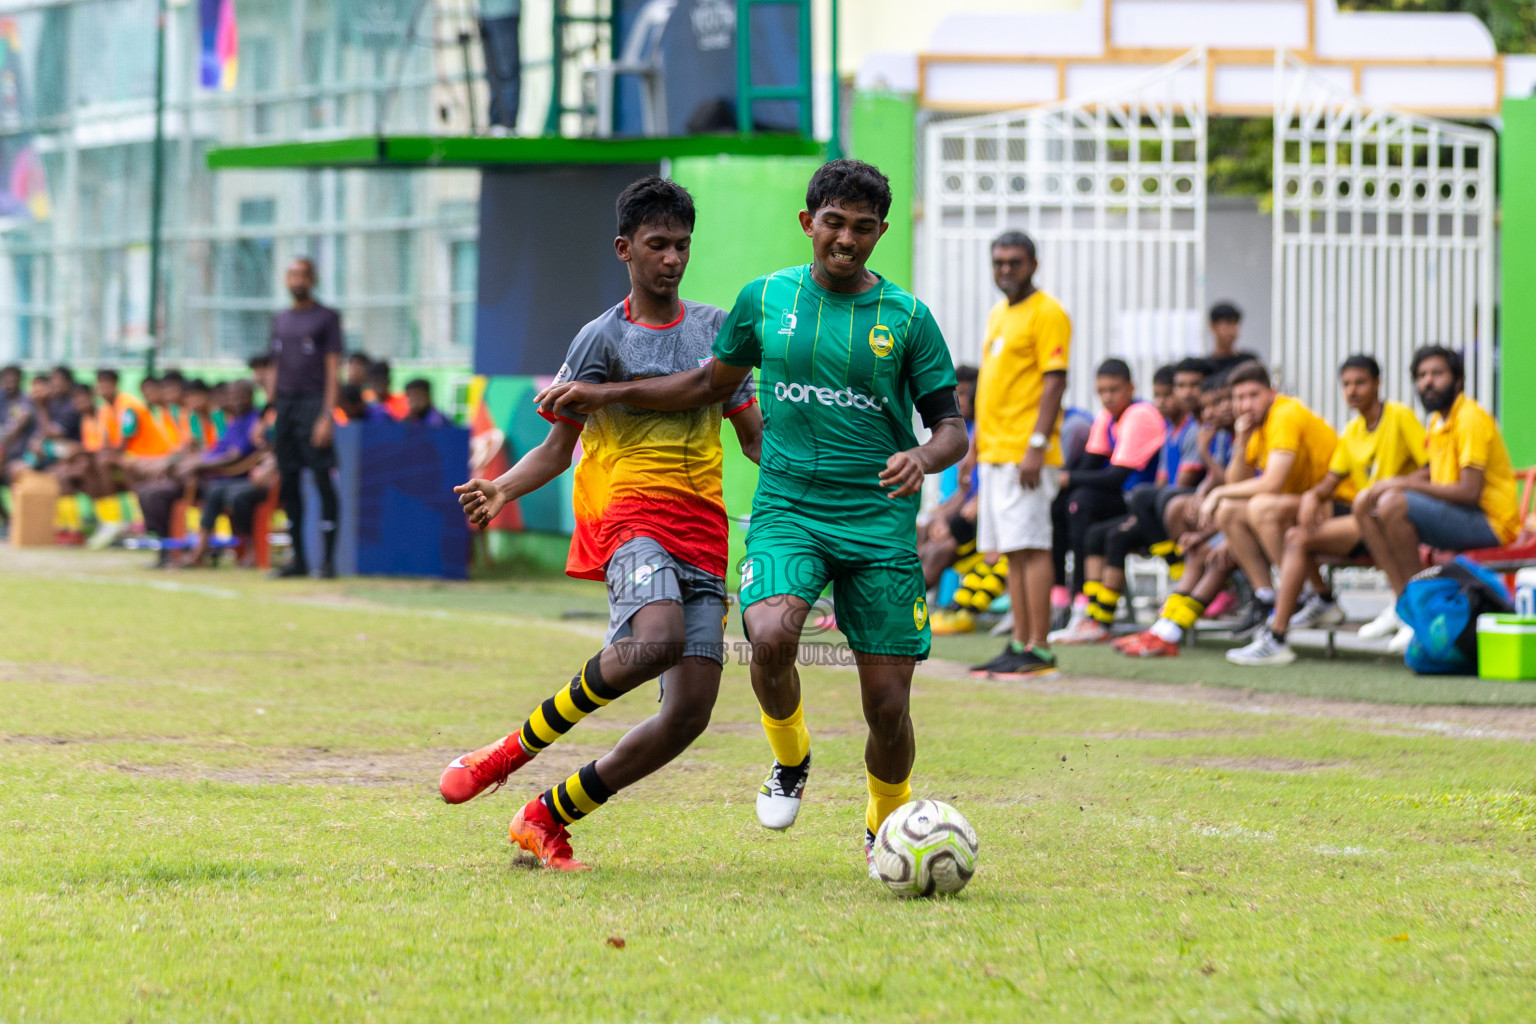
<point x="787" y="321"/>
<point x="920" y="613"/>
<point x="748" y="573"/>
<point x="880" y="341"/>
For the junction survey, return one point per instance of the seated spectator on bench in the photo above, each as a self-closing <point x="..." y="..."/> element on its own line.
<point x="62" y="411"/>
<point x="352" y="407"/>
<point x="357" y="369"/>
<point x="1466" y="498"/>
<point x="420" y="411"/>
<point x="948" y="538"/>
<point x="1111" y="542"/>
<point x="1281" y="449"/>
<point x="24" y="426"/>
<point x="1383" y="441"/>
<point x="194" y="419"/>
<point x="1123" y="449"/>
<point x="225" y="469"/>
<point x="393" y="403"/>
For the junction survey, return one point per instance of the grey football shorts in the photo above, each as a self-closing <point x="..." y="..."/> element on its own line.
<point x="642" y="572"/>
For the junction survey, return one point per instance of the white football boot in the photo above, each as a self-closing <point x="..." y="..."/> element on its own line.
<point x="778" y="801"/>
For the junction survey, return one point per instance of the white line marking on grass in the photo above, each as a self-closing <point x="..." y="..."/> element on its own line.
<point x="172" y="586"/>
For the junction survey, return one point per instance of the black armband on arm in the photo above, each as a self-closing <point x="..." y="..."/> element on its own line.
<point x="938" y="405"/>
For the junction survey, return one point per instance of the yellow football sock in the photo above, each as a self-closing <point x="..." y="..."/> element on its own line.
<point x="789" y="738"/>
<point x="1105" y="603"/>
<point x="884" y="797"/>
<point x="108" y="511"/>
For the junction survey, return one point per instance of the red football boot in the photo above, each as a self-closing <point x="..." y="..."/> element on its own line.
<point x="1150" y="645"/>
<point x="536" y="830"/>
<point x="472" y="774"/>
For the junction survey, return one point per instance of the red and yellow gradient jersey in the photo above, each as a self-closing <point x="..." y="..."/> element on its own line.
<point x="643" y="473"/>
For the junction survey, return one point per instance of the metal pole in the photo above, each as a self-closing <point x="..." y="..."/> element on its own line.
<point x="157" y="193"/>
<point x="743" y="66"/>
<point x="835" y="142"/>
<point x="469" y="78"/>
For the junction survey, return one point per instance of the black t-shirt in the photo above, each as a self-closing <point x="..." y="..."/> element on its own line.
<point x="1221" y="365"/>
<point x="62" y="412"/>
<point x="301" y="339"/>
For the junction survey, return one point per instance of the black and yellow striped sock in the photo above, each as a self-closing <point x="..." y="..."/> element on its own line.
<point x="578" y="796"/>
<point x="981" y="586"/>
<point x="1104" y="605"/>
<point x="571" y="704"/>
<point x="1170" y="552"/>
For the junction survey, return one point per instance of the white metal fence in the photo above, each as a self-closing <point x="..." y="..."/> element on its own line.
<point x="1383" y="240"/>
<point x="1113" y="193"/>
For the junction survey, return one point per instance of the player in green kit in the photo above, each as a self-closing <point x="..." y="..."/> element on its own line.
<point x="845" y="357"/>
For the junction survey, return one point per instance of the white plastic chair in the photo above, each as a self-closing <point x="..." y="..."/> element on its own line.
<point x="642" y="58"/>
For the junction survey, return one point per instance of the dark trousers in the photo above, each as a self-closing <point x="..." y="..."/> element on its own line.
<point x="1072" y="514"/>
<point x="503" y="68"/>
<point x="155" y="501"/>
<point x="235" y="497"/>
<point x="296" y="416"/>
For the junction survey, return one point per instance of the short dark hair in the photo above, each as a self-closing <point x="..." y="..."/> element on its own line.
<point x="1361" y="361"/>
<point x="1163" y="375"/>
<point x="419" y="384"/>
<point x="107" y="373"/>
<point x="197" y="384"/>
<point x="1015" y="240"/>
<point x="259" y="362"/>
<point x="1225" y="311"/>
<point x="1213" y="382"/>
<point x="1249" y="372"/>
<point x="1114" y="368"/>
<point x="173" y="377"/>
<point x="851" y="181"/>
<point x="653" y="200"/>
<point x="357" y="355"/>
<point x="77" y="387"/>
<point x="379" y="369"/>
<point x="1193" y="364"/>
<point x="1452" y="358"/>
<point x="64" y="370"/>
<point x="12" y="368"/>
<point x="966" y="374"/>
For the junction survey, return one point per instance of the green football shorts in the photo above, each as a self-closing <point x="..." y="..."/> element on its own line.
<point x="882" y="603"/>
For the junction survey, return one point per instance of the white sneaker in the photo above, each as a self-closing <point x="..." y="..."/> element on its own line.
<point x="1076" y="619"/>
<point x="1317" y="614"/>
<point x="1080" y="631"/>
<point x="1265" y="650"/>
<point x="1383" y="625"/>
<point x="1400" y="642"/>
<point x="778" y="801"/>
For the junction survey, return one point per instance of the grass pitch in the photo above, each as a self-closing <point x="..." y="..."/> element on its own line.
<point x="219" y="803"/>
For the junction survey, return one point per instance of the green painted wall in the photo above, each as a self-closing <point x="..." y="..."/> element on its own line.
<point x="747" y="227"/>
<point x="1517" y="269"/>
<point x="883" y="127"/>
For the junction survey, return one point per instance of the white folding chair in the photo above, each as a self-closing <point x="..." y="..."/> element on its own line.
<point x="642" y="58"/>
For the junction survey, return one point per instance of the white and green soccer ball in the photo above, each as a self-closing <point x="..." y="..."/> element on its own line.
<point x="924" y="848"/>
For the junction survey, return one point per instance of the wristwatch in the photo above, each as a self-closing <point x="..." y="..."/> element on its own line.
<point x="1038" y="440"/>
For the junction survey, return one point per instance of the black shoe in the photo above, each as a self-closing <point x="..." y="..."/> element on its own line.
<point x="1026" y="664"/>
<point x="1253" y="620"/>
<point x="292" y="570"/>
<point x="327" y="571"/>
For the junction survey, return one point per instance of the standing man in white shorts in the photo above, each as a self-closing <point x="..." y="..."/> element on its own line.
<point x="1017" y="449"/>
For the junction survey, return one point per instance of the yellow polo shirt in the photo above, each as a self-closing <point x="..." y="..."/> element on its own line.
<point x="1024" y="342"/>
<point x="1290" y="426"/>
<point x="1468" y="437"/>
<point x="1394" y="448"/>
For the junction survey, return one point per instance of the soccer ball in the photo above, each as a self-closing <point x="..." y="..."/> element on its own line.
<point x="925" y="847"/>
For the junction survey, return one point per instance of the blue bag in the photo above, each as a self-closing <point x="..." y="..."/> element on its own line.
<point x="1442" y="604"/>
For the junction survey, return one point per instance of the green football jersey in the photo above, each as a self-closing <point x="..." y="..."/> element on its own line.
<point x="839" y="375"/>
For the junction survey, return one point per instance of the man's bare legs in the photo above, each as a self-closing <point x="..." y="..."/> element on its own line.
<point x="1030" y="578"/>
<point x="1337" y="537"/>
<point x="1391" y="539"/>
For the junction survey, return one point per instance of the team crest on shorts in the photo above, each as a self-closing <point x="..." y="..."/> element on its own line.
<point x="880" y="341"/>
<point x="919" y="613"/>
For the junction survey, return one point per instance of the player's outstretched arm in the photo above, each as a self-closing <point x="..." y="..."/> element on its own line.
<point x="483" y="500"/>
<point x="904" y="471"/>
<point x="692" y="389"/>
